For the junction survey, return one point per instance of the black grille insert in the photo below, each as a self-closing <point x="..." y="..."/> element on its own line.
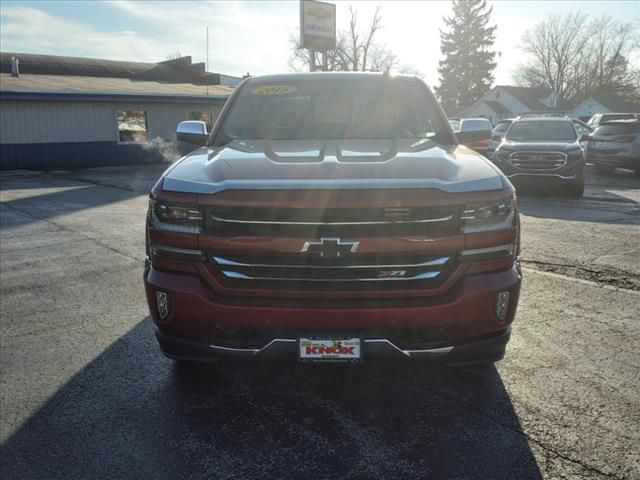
<point x="332" y="273"/>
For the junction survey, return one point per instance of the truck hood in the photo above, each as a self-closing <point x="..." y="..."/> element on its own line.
<point x="262" y="164"/>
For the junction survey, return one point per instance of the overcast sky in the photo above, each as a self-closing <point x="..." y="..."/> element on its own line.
<point x="254" y="36"/>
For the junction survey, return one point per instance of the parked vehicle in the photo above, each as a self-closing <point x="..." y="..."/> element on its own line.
<point x="543" y="149"/>
<point x="455" y="124"/>
<point x="595" y="121"/>
<point x="332" y="217"/>
<point x="583" y="130"/>
<point x="477" y="125"/>
<point x="498" y="133"/>
<point x="615" y="144"/>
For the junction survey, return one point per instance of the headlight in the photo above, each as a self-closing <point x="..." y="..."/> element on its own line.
<point x="489" y="217"/>
<point x="575" y="153"/>
<point x="175" y="218"/>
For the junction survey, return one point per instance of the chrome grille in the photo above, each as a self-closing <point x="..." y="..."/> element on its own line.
<point x="538" y="161"/>
<point x="332" y="216"/>
<point x="335" y="221"/>
<point x="309" y="271"/>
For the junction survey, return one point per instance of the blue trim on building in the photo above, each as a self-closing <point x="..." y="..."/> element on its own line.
<point x="42" y="156"/>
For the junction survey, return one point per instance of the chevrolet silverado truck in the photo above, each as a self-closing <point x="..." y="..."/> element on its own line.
<point x="332" y="217"/>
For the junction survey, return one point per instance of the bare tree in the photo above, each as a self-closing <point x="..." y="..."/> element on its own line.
<point x="575" y="56"/>
<point x="174" y="55"/>
<point x="554" y="45"/>
<point x="356" y="49"/>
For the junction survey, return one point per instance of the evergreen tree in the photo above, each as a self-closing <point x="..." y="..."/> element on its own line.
<point x="466" y="71"/>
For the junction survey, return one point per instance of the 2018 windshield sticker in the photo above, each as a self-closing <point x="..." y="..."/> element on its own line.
<point x="274" y="90"/>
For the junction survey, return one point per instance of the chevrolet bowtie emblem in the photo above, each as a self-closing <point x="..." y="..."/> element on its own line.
<point x="330" y="247"/>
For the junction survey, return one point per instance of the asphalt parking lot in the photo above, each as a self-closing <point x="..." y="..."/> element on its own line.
<point x="86" y="394"/>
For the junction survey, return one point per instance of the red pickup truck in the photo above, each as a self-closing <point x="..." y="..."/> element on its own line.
<point x="332" y="217"/>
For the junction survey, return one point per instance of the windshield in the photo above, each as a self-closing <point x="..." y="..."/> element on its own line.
<point x="618" y="129"/>
<point x="363" y="108"/>
<point x="541" y="130"/>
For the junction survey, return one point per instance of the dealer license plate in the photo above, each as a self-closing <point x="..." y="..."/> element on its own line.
<point x="334" y="349"/>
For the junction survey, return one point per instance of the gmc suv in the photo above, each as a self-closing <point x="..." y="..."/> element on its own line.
<point x="332" y="217"/>
<point x="543" y="149"/>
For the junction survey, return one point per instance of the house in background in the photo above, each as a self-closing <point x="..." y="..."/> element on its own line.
<point x="602" y="103"/>
<point x="68" y="112"/>
<point x="504" y="101"/>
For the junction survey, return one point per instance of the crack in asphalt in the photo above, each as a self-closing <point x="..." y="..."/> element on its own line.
<point x="571" y="460"/>
<point x="518" y="431"/>
<point x="602" y="275"/>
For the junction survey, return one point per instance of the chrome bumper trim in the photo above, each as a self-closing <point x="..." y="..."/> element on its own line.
<point x="252" y="351"/>
<point x="507" y="249"/>
<point x="385" y="343"/>
<point x="409" y="353"/>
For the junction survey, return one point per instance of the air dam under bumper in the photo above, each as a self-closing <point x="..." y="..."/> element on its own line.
<point x="466" y="314"/>
<point x="489" y="348"/>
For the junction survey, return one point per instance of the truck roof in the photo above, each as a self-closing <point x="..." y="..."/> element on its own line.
<point x="290" y="77"/>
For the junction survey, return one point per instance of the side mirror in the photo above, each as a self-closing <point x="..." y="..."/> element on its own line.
<point x="192" y="131"/>
<point x="465" y="138"/>
<point x="585" y="138"/>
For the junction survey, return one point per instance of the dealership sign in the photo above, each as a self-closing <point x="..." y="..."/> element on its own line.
<point x="317" y="25"/>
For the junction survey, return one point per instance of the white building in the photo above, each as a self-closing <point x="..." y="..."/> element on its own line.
<point x="602" y="103"/>
<point x="504" y="101"/>
<point x="66" y="112"/>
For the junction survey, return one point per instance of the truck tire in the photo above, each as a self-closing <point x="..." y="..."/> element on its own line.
<point x="575" y="190"/>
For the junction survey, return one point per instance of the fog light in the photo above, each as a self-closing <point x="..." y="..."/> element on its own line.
<point x="162" y="300"/>
<point x="502" y="305"/>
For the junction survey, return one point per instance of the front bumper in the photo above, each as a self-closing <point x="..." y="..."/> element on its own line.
<point x="465" y="314"/>
<point x="620" y="160"/>
<point x="488" y="348"/>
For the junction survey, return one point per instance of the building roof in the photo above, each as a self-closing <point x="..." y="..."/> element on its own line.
<point x="55" y="77"/>
<point x="54" y="86"/>
<point x="497" y="107"/>
<point x="179" y="70"/>
<point x="614" y="103"/>
<point x="529" y="96"/>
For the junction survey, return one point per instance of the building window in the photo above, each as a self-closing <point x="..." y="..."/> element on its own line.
<point x="132" y="126"/>
<point x="206" y="117"/>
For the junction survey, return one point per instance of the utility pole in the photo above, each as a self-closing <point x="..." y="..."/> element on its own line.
<point x="206" y="65"/>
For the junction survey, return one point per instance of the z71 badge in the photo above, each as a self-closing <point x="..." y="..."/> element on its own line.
<point x="392" y="273"/>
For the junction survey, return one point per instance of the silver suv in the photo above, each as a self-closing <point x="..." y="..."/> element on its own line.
<point x="615" y="144"/>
